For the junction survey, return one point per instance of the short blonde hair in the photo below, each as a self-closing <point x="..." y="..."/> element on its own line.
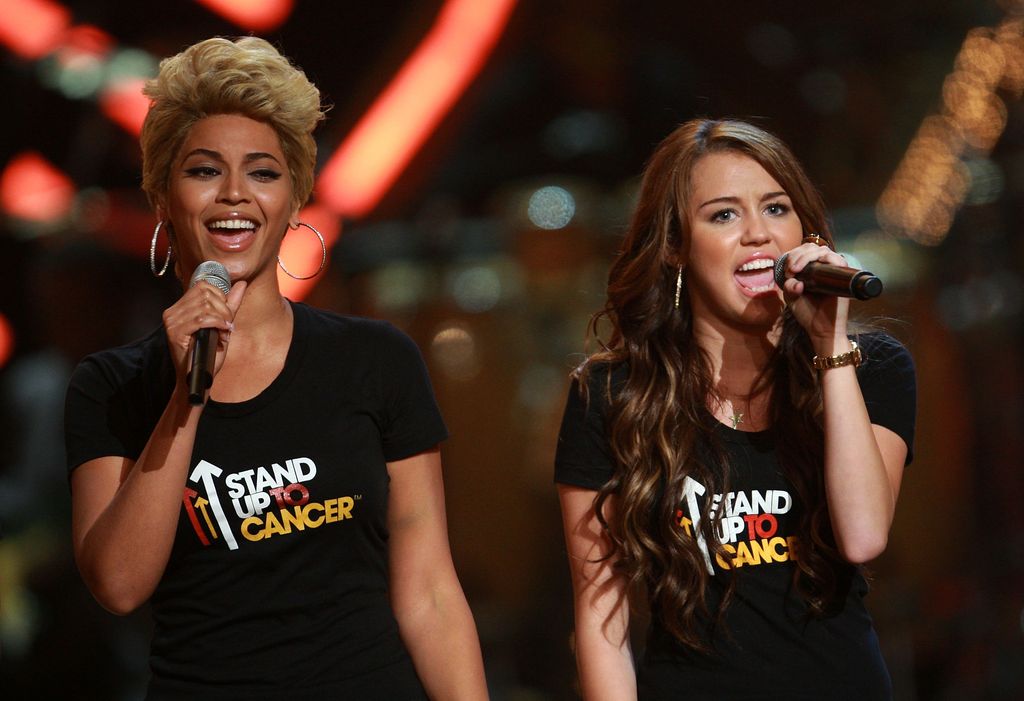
<point x="246" y="76"/>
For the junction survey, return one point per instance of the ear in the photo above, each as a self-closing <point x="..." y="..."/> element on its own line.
<point x="677" y="258"/>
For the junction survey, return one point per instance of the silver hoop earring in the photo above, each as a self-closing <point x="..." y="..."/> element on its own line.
<point x="679" y="285"/>
<point x="152" y="252"/>
<point x="323" y="257"/>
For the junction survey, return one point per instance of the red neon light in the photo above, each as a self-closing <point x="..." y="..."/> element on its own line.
<point x="384" y="141"/>
<point x="33" y="28"/>
<point x="124" y="103"/>
<point x="31" y="188"/>
<point x="254" y="15"/>
<point x="87" y="39"/>
<point x="6" y="340"/>
<point x="301" y="252"/>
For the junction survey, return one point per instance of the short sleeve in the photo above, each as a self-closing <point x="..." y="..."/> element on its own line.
<point x="583" y="457"/>
<point x="889" y="385"/>
<point x="412" y="420"/>
<point x="108" y="408"/>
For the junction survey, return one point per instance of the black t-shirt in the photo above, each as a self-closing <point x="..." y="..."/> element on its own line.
<point x="277" y="585"/>
<point x="768" y="648"/>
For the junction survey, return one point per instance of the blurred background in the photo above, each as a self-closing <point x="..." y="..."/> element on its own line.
<point x="477" y="170"/>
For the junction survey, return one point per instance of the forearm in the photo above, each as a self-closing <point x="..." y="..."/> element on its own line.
<point x="122" y="546"/>
<point x="860" y="493"/>
<point x="604" y="659"/>
<point x="439" y="631"/>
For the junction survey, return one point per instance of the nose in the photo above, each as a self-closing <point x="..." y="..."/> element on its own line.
<point x="757" y="231"/>
<point x="234" y="188"/>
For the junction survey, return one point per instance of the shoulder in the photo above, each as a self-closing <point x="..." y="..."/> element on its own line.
<point x="601" y="376"/>
<point x="118" y="365"/>
<point x="374" y="333"/>
<point x="595" y="385"/>
<point x="882" y="352"/>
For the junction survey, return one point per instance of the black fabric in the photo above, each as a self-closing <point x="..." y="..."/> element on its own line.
<point x="277" y="585"/>
<point x="769" y="648"/>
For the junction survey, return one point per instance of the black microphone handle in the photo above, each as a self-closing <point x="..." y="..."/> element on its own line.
<point x="840" y="281"/>
<point x="836" y="280"/>
<point x="200" y="376"/>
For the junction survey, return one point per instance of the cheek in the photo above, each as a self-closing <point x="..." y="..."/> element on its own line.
<point x="793" y="233"/>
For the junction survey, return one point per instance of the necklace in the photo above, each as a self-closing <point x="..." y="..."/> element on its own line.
<point x="736" y="419"/>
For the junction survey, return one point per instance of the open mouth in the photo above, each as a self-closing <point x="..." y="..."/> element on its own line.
<point x="232" y="233"/>
<point x="756" y="276"/>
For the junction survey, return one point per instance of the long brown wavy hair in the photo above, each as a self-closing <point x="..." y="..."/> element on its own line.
<point x="658" y="423"/>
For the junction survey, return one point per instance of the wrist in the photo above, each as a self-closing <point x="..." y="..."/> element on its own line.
<point x="850" y="356"/>
<point x="831" y="345"/>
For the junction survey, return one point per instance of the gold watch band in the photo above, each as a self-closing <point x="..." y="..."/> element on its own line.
<point x="851" y="357"/>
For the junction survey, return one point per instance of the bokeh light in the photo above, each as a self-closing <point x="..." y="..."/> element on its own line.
<point x="6" y="340"/>
<point x="34" y="190"/>
<point x="476" y="288"/>
<point x="453" y="349"/>
<point x="551" y="207"/>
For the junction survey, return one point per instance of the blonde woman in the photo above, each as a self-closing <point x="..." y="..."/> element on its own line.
<point x="289" y="533"/>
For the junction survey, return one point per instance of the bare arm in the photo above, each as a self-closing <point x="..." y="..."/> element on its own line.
<point x="604" y="658"/>
<point x="863" y="468"/>
<point x="434" y="619"/>
<point x="863" y="461"/>
<point x="125" y="513"/>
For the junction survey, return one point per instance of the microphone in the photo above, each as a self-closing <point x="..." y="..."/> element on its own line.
<point x="204" y="341"/>
<point x="835" y="280"/>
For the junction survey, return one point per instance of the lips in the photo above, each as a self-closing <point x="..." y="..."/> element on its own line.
<point x="757" y="276"/>
<point x="233" y="234"/>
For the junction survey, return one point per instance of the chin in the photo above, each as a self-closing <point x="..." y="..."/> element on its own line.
<point x="762" y="312"/>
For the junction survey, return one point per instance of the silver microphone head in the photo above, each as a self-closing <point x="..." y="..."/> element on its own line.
<point x="780" y="270"/>
<point x="214" y="273"/>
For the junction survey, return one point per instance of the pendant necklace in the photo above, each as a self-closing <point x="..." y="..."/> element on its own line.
<point x="736" y="419"/>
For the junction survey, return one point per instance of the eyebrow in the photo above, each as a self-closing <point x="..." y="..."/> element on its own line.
<point x="249" y="157"/>
<point x="732" y="199"/>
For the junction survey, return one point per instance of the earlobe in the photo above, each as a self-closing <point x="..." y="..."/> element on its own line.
<point x="676" y="259"/>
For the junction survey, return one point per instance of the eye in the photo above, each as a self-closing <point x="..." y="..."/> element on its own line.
<point x="265" y="174"/>
<point x="723" y="215"/>
<point x="777" y="209"/>
<point x="202" y="172"/>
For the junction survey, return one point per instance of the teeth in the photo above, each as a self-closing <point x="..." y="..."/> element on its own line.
<point x="233" y="224"/>
<point x="762" y="288"/>
<point x="758" y="264"/>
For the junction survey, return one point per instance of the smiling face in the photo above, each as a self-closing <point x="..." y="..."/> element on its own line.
<point x="229" y="197"/>
<point x="740" y="220"/>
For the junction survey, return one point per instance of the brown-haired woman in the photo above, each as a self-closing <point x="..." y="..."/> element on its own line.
<point x="289" y="532"/>
<point x="706" y="465"/>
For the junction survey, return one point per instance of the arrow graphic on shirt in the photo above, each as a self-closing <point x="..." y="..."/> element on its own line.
<point x="201" y="503"/>
<point x="691" y="490"/>
<point x="205" y="472"/>
<point x="187" y="498"/>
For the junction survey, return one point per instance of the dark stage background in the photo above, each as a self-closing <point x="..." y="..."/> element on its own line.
<point x="491" y="249"/>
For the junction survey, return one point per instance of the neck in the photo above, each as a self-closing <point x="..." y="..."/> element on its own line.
<point x="263" y="313"/>
<point x="738" y="356"/>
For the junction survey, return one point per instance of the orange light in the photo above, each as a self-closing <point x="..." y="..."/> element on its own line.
<point x="254" y="15"/>
<point x="31" y="188"/>
<point x="6" y="340"/>
<point x="124" y="103"/>
<point x="301" y="251"/>
<point x="384" y="141"/>
<point x="33" y="28"/>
